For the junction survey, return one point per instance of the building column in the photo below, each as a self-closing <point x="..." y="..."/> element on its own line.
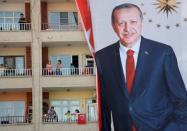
<point x="36" y="48"/>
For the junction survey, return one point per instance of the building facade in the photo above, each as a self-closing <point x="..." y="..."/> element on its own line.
<point x="44" y="62"/>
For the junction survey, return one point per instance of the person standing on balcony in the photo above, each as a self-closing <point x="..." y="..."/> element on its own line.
<point x="52" y="115"/>
<point x="49" y="68"/>
<point x="72" y="68"/>
<point x="58" y="67"/>
<point x="22" y="21"/>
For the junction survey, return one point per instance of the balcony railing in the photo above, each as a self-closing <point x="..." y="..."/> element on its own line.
<point x="72" y="119"/>
<point x="69" y="71"/>
<point x="60" y="27"/>
<point x="15" y="72"/>
<point x="14" y="119"/>
<point x="15" y="26"/>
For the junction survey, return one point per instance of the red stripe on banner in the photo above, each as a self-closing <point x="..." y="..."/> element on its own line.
<point x="84" y="11"/>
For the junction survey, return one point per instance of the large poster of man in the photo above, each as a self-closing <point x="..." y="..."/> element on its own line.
<point x="163" y="20"/>
<point x="137" y="45"/>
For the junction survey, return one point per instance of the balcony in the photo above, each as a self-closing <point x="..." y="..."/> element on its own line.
<point x="69" y="71"/>
<point x="60" y="27"/>
<point x="72" y="119"/>
<point x="15" y="27"/>
<point x="15" y="32"/>
<point x="4" y="120"/>
<point x="15" y="72"/>
<point x="69" y="77"/>
<point x="15" y="78"/>
<point x="52" y="32"/>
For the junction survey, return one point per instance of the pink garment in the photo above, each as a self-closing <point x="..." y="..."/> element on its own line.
<point x="49" y="68"/>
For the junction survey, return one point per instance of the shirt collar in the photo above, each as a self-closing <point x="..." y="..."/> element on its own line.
<point x="135" y="48"/>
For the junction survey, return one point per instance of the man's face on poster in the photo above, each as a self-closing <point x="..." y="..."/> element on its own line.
<point x="127" y="25"/>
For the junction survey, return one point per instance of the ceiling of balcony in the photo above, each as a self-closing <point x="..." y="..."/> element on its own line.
<point x="13" y="44"/>
<point x="18" y="1"/>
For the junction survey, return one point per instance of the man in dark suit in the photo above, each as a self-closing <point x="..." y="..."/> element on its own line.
<point x="141" y="86"/>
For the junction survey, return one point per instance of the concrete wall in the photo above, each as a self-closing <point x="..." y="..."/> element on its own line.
<point x="69" y="6"/>
<point x="12" y="7"/>
<point x="12" y="52"/>
<point x="12" y="96"/>
<point x="21" y="127"/>
<point x="15" y="83"/>
<point x="69" y="127"/>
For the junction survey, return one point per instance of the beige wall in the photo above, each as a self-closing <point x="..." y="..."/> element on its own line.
<point x="16" y="83"/>
<point x="21" y="127"/>
<point x="62" y="7"/>
<point x="12" y="7"/>
<point x="82" y="96"/>
<point x="68" y="50"/>
<point x="12" y="51"/>
<point x="18" y="96"/>
<point x="70" y="127"/>
<point x="80" y="51"/>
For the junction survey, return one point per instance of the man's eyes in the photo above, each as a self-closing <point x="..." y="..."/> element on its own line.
<point x="130" y="22"/>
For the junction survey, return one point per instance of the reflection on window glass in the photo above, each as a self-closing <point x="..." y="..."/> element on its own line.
<point x="9" y="17"/>
<point x="91" y="110"/>
<point x="1" y="20"/>
<point x="12" y="108"/>
<point x="1" y="14"/>
<point x="63" y="18"/>
<point x="8" y="20"/>
<point x="1" y="60"/>
<point x="8" y="14"/>
<point x="17" y="14"/>
<point x="56" y="103"/>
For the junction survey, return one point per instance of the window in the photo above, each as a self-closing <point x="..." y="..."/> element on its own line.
<point x="12" y="108"/>
<point x="66" y="60"/>
<point x="89" y="61"/>
<point x="62" y="106"/>
<point x="8" y="20"/>
<point x="12" y="62"/>
<point x="9" y="17"/>
<point x="9" y="109"/>
<point x="91" y="110"/>
<point x="58" y="19"/>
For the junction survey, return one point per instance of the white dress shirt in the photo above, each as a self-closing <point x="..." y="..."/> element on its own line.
<point x="123" y="54"/>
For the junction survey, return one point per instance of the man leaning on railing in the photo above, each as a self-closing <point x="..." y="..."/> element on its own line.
<point x="22" y="22"/>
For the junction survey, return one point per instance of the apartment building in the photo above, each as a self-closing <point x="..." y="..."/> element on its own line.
<point x="30" y="79"/>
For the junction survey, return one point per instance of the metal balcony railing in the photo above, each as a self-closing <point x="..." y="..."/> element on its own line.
<point x="15" y="72"/>
<point x="60" y="27"/>
<point x="69" y="71"/>
<point x="72" y="119"/>
<point x="14" y="119"/>
<point x="15" y="26"/>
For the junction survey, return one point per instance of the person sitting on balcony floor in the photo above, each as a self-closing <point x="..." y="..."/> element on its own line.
<point x="58" y="67"/>
<point x="52" y="115"/>
<point x="49" y="68"/>
<point x="22" y="21"/>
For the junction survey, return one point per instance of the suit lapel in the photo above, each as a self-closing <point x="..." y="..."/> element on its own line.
<point x="118" y="71"/>
<point x="144" y="52"/>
